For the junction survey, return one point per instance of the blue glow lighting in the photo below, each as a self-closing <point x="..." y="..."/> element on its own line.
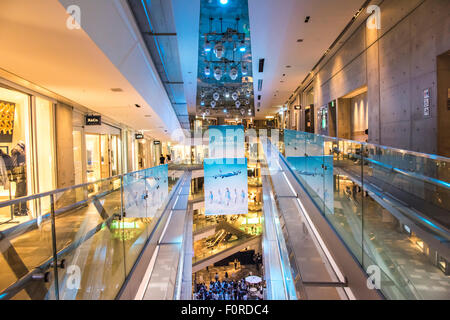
<point x="242" y="49"/>
<point x="224" y="2"/>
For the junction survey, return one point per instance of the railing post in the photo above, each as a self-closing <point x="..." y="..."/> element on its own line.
<point x="55" y="253"/>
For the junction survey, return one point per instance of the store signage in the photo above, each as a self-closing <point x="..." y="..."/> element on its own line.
<point x="139" y="136"/>
<point x="93" y="120"/>
<point x="156" y="142"/>
<point x="426" y="103"/>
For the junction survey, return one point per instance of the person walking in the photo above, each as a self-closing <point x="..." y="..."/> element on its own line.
<point x="162" y="159"/>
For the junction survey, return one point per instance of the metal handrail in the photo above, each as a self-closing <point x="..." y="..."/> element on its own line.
<point x="17" y="286"/>
<point x="415" y="153"/>
<point x="48" y="193"/>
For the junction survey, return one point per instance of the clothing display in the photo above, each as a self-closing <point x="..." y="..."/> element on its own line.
<point x="19" y="175"/>
<point x="5" y="169"/>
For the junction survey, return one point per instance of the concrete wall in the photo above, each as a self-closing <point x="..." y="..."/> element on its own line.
<point x="443" y="75"/>
<point x="396" y="62"/>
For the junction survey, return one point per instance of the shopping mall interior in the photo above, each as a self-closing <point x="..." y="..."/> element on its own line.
<point x="225" y="150"/>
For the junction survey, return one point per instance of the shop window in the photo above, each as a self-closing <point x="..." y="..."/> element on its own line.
<point x="15" y="169"/>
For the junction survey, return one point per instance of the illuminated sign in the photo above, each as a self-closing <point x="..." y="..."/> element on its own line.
<point x="93" y="120"/>
<point x="139" y="136"/>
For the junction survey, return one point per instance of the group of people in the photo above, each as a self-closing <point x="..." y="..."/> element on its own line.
<point x="227" y="197"/>
<point x="162" y="159"/>
<point x="227" y="290"/>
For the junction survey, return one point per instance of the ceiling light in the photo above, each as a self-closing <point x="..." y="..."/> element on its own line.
<point x="233" y="73"/>
<point x="244" y="70"/>
<point x="207" y="112"/>
<point x="207" y="71"/>
<point x="213" y="104"/>
<point x="242" y="111"/>
<point x="224" y="2"/>
<point x="234" y="96"/>
<point x="207" y="46"/>
<point x="225" y="110"/>
<point x="216" y="96"/>
<point x="202" y="103"/>
<point x="227" y="94"/>
<point x="217" y="73"/>
<point x="219" y="50"/>
<point x="237" y="103"/>
<point x="242" y="46"/>
<point x="248" y="94"/>
<point x="247" y="102"/>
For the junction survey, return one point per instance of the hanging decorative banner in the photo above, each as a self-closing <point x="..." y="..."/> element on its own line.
<point x="226" y="186"/>
<point x="226" y="142"/>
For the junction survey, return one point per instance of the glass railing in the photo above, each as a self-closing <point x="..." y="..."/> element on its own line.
<point x="82" y="241"/>
<point x="390" y="207"/>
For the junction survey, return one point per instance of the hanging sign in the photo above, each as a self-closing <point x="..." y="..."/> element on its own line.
<point x="91" y="120"/>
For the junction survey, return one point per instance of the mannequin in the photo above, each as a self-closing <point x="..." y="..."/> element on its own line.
<point x="19" y="173"/>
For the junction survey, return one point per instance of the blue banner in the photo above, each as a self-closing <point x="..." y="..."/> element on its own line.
<point x="226" y="186"/>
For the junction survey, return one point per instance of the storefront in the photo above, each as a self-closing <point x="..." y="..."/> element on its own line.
<point x="46" y="144"/>
<point x="100" y="144"/>
<point x="27" y="151"/>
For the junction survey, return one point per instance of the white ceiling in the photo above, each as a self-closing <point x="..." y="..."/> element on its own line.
<point x="39" y="48"/>
<point x="275" y="27"/>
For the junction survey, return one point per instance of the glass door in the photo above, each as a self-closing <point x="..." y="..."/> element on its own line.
<point x="105" y="159"/>
<point x="93" y="164"/>
<point x="114" y="147"/>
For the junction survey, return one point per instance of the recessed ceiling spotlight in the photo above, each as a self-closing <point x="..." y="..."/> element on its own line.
<point x="288" y="66"/>
<point x="116" y="90"/>
<point x="235" y="96"/>
<point x="137" y="106"/>
<point x="299" y="40"/>
<point x="238" y="104"/>
<point x="307" y="19"/>
<point x="216" y="96"/>
<point x="213" y="104"/>
<point x="148" y="115"/>
<point x="227" y="94"/>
